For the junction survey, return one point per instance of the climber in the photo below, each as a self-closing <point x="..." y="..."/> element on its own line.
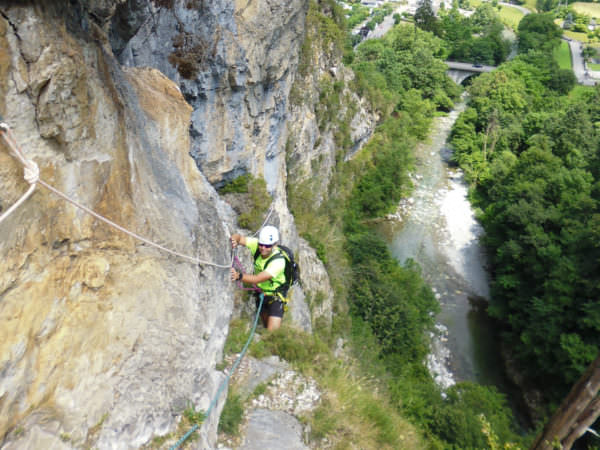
<point x="268" y="279"/>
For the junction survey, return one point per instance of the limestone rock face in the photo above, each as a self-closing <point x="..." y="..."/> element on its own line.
<point x="235" y="62"/>
<point x="137" y="109"/>
<point x="245" y="57"/>
<point x="104" y="341"/>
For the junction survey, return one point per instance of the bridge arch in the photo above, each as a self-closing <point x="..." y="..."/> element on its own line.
<point x="460" y="71"/>
<point x="458" y="76"/>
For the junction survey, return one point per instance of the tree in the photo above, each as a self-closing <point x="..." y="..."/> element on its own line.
<point x="532" y="157"/>
<point x="546" y="5"/>
<point x="589" y="52"/>
<point x="538" y="32"/>
<point x="425" y="17"/>
<point x="563" y="81"/>
<point x="578" y="411"/>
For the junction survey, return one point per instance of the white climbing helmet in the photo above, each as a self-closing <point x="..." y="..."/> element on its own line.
<point x="268" y="235"/>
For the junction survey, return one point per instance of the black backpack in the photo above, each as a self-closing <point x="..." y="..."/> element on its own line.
<point x="291" y="271"/>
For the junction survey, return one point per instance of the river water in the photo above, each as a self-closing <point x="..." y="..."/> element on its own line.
<point x="436" y="228"/>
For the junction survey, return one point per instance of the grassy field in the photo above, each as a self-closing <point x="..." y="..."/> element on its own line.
<point x="355" y="411"/>
<point x="530" y="5"/>
<point x="562" y="55"/>
<point x="579" y="89"/>
<point x="590" y="9"/>
<point x="594" y="67"/>
<point x="581" y="37"/>
<point x="508" y="15"/>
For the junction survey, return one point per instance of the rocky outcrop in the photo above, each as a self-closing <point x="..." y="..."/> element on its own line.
<point x="272" y="417"/>
<point x="104" y="341"/>
<point x="235" y="63"/>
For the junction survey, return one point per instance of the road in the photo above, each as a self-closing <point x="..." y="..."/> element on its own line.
<point x="524" y="10"/>
<point x="469" y="66"/>
<point x="385" y="26"/>
<point x="578" y="64"/>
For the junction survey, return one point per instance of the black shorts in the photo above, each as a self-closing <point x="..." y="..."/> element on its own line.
<point x="273" y="306"/>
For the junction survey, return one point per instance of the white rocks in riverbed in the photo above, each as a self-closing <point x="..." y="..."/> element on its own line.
<point x="437" y="360"/>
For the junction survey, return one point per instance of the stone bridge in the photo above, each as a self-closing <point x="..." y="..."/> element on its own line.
<point x="460" y="71"/>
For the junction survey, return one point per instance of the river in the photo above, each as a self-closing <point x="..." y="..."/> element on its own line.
<point x="436" y="227"/>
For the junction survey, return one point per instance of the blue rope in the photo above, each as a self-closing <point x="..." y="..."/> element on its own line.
<point x="225" y="382"/>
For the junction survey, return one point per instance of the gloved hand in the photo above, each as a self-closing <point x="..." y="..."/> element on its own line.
<point x="235" y="275"/>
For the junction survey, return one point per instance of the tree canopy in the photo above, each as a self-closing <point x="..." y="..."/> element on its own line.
<point x="531" y="155"/>
<point x="477" y="38"/>
<point x="538" y="32"/>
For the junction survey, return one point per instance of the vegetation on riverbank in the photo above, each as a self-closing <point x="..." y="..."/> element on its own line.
<point x="529" y="146"/>
<point x="383" y="309"/>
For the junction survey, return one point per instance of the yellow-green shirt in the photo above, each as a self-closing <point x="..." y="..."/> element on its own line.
<point x="276" y="268"/>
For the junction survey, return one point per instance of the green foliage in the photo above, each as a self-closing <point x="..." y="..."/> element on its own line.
<point x="327" y="24"/>
<point x="387" y="69"/>
<point x="531" y="155"/>
<point x="239" y="331"/>
<point x="538" y="32"/>
<point x="294" y="346"/>
<point x="451" y="420"/>
<point x="324" y="423"/>
<point x="392" y="309"/>
<point x="318" y="245"/>
<point x="238" y="185"/>
<point x="393" y="300"/>
<point x="193" y="416"/>
<point x="232" y="414"/>
<point x="457" y="419"/>
<point x="545" y="5"/>
<point x="384" y="178"/>
<point x="258" y="203"/>
<point x="357" y="15"/>
<point x="477" y="38"/>
<point x="329" y="102"/>
<point x="425" y="17"/>
<point x="378" y="15"/>
<point x="562" y="81"/>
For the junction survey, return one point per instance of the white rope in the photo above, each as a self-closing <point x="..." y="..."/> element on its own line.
<point x="10" y="210"/>
<point x="265" y="221"/>
<point x="31" y="175"/>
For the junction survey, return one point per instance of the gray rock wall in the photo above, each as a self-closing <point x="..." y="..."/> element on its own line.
<point x="104" y="341"/>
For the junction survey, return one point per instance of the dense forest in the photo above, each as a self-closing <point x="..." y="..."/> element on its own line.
<point x="529" y="145"/>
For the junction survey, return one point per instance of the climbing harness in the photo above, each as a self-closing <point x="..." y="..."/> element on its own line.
<point x="237" y="265"/>
<point x="225" y="382"/>
<point x="31" y="175"/>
